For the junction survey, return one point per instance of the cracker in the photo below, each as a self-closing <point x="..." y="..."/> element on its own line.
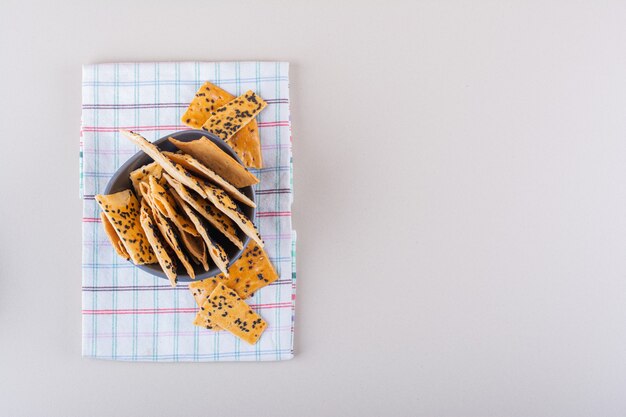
<point x="191" y="164"/>
<point x="218" y="219"/>
<point x="168" y="166"/>
<point x="207" y="99"/>
<point x="211" y="156"/>
<point x="226" y="205"/>
<point x="170" y="236"/>
<point x="245" y="143"/>
<point x="234" y="115"/>
<point x="152" y="233"/>
<point x="252" y="271"/>
<point x="226" y="309"/>
<point x="196" y="248"/>
<point x="122" y="211"/>
<point x="216" y="252"/>
<point x="113" y="237"/>
<point x="166" y="205"/>
<point x="142" y="173"/>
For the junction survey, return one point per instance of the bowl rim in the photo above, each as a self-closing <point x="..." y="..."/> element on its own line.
<point x="132" y="160"/>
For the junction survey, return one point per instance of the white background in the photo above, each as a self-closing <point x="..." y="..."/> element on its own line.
<point x="460" y="200"/>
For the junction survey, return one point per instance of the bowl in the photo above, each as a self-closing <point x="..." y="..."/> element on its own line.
<point x="121" y="181"/>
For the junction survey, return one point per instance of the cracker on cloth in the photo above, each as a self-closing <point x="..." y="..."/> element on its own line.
<point x="226" y="309"/>
<point x="152" y="233"/>
<point x="246" y="143"/>
<point x="122" y="211"/>
<point x="234" y="115"/>
<point x="168" y="166"/>
<point x="252" y="271"/>
<point x="208" y="98"/>
<point x="191" y="164"/>
<point x="211" y="156"/>
<point x="218" y="219"/>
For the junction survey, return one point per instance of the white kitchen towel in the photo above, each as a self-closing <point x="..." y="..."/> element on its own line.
<point x="129" y="314"/>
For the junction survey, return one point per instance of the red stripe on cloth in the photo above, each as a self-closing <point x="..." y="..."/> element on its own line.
<point x="273" y="213"/>
<point x="175" y="310"/>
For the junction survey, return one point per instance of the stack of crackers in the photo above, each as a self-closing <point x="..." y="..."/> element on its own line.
<point x="183" y="199"/>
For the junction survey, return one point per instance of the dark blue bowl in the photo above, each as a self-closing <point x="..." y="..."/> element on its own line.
<point x="121" y="181"/>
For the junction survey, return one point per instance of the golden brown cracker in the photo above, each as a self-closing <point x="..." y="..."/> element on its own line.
<point x="226" y="309"/>
<point x="175" y="170"/>
<point x="152" y="233"/>
<point x="191" y="164"/>
<point x="211" y="156"/>
<point x="234" y="115"/>
<point x="122" y="211"/>
<point x="218" y="219"/>
<point x="113" y="237"/>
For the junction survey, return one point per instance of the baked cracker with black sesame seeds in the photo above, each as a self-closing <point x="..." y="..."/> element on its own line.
<point x="171" y="236"/>
<point x="154" y="237"/>
<point x="168" y="166"/>
<point x="122" y="211"/>
<point x="191" y="164"/>
<point x="246" y="142"/>
<point x="140" y="174"/>
<point x="166" y="205"/>
<point x="226" y="205"/>
<point x="113" y="237"/>
<point x="226" y="309"/>
<point x="234" y="115"/>
<point x="216" y="252"/>
<point x="252" y="271"/>
<point x="207" y="210"/>
<point x="211" y="156"/>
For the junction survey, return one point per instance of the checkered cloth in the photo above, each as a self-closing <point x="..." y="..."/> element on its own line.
<point x="129" y="314"/>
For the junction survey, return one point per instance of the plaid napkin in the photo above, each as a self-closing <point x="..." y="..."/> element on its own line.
<point x="129" y="314"/>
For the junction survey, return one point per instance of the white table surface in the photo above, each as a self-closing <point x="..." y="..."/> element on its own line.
<point x="460" y="200"/>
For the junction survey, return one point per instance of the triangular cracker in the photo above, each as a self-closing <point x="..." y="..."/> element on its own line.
<point x="153" y="235"/>
<point x="207" y="99"/>
<point x="226" y="205"/>
<point x="166" y="205"/>
<point x="191" y="164"/>
<point x="122" y="210"/>
<point x="207" y="210"/>
<point x="113" y="237"/>
<point x="234" y="115"/>
<point x="168" y="166"/>
<point x="196" y="248"/>
<point x="141" y="173"/>
<point x="217" y="253"/>
<point x="211" y="156"/>
<point x="169" y="235"/>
